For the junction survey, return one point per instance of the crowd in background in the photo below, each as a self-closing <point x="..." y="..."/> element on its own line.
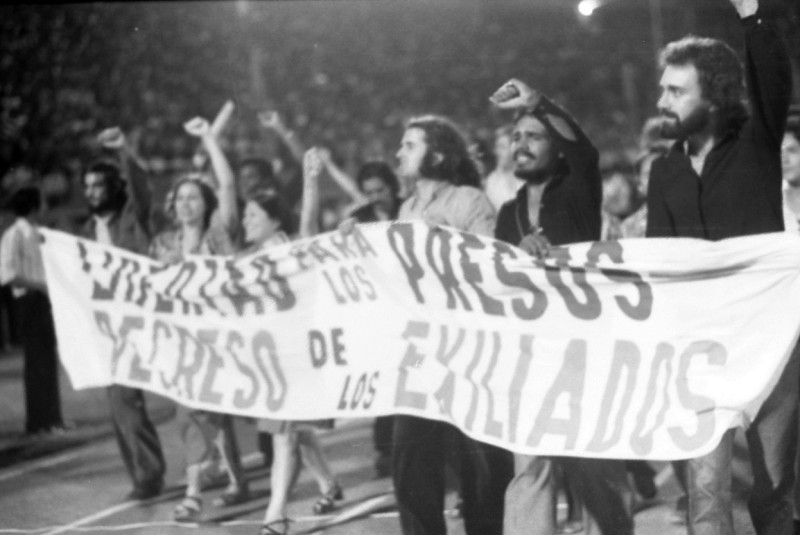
<point x="343" y="76"/>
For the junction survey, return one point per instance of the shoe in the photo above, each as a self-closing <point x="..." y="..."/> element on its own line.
<point x="232" y="497"/>
<point x="146" y="492"/>
<point x="190" y="509"/>
<point x="326" y="503"/>
<point x="276" y="527"/>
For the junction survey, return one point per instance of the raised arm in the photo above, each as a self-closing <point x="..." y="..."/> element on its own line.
<point x="344" y="180"/>
<point x="569" y="140"/>
<point x="226" y="190"/>
<point x="309" y="213"/>
<point x="217" y="127"/>
<point x="272" y="121"/>
<point x="133" y="169"/>
<point x="769" y="74"/>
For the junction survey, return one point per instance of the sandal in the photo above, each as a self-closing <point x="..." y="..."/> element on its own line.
<point x="276" y="527"/>
<point x="190" y="509"/>
<point x="326" y="503"/>
<point x="232" y="497"/>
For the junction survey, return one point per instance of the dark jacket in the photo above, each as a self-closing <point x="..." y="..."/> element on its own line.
<point x="570" y="211"/>
<point x="739" y="190"/>
<point x="130" y="226"/>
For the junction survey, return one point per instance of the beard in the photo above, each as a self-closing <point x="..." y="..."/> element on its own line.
<point x="533" y="176"/>
<point x="536" y="175"/>
<point x="673" y="127"/>
<point x="111" y="203"/>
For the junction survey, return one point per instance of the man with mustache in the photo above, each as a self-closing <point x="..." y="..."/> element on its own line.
<point x="559" y="204"/>
<point x="445" y="190"/>
<point x="119" y="200"/>
<point x="720" y="179"/>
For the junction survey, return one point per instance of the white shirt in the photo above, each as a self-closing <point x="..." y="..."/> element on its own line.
<point x="501" y="187"/>
<point x="21" y="258"/>
<point x="101" y="230"/>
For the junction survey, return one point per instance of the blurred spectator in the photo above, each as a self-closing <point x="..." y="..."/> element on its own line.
<point x="620" y="199"/>
<point x="790" y="162"/>
<point x="501" y="184"/>
<point x="21" y="267"/>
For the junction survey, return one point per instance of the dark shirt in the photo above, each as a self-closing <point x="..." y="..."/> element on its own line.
<point x="739" y="190"/>
<point x="130" y="226"/>
<point x="366" y="213"/>
<point x="570" y="206"/>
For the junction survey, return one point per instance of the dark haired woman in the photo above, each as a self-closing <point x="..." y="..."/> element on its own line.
<point x="190" y="204"/>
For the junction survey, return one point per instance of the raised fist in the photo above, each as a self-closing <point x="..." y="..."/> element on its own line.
<point x="324" y="154"/>
<point x="111" y="138"/>
<point x="515" y="94"/>
<point x="197" y="127"/>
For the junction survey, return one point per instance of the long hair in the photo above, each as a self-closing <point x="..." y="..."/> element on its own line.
<point x="443" y="137"/>
<point x="720" y="73"/>
<point x="206" y="192"/>
<point x="276" y="208"/>
<point x="380" y="170"/>
<point x="112" y="176"/>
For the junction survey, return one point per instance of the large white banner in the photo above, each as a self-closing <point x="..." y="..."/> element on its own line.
<point x="634" y="349"/>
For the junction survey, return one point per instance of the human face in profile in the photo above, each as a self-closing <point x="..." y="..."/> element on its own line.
<point x="413" y="148"/>
<point x="790" y="159"/>
<point x="683" y="108"/>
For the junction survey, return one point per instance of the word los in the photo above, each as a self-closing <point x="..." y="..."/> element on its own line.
<point x="449" y="260"/>
<point x="642" y="384"/>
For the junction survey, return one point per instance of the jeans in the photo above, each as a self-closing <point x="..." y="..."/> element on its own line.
<point x="772" y="439"/>
<point x="602" y="485"/>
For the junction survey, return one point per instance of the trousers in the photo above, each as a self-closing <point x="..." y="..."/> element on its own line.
<point x="601" y="485"/>
<point x="136" y="436"/>
<point x="419" y="456"/>
<point x="772" y="441"/>
<point x="42" y="397"/>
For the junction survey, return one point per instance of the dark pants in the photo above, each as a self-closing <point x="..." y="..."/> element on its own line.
<point x="42" y="399"/>
<point x="601" y="485"/>
<point x="418" y="469"/>
<point x="136" y="436"/>
<point x="382" y="434"/>
<point x="772" y="440"/>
